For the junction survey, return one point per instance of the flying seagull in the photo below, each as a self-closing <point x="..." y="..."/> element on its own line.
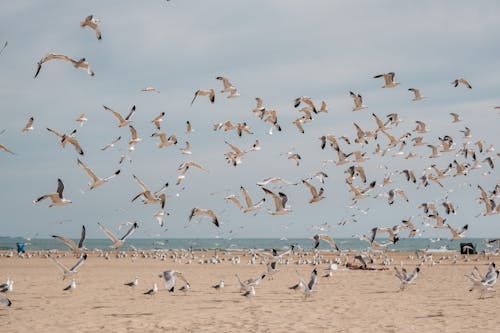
<point x="73" y="270"/>
<point x="92" y="22"/>
<point x="388" y="80"/>
<point x="57" y="198"/>
<point x="72" y="245"/>
<point x="95" y="180"/>
<point x="169" y="277"/>
<point x="208" y="212"/>
<point x="118" y="242"/>
<point x="462" y="81"/>
<point x="280" y="201"/>
<point x="319" y="237"/>
<point x="358" y="102"/>
<point x="82" y="63"/>
<point x="207" y="92"/>
<point x="7" y="150"/>
<point x="122" y="121"/>
<point x="416" y="93"/>
<point x="29" y="125"/>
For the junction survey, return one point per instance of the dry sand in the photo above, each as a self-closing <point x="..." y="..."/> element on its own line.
<point x="349" y="301"/>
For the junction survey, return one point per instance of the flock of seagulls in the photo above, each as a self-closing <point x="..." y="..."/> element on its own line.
<point x="351" y="154"/>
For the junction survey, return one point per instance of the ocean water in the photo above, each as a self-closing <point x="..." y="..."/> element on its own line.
<point x="406" y="244"/>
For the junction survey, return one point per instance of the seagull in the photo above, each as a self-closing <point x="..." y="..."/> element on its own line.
<point x="391" y="231"/>
<point x="82" y="63"/>
<point x="306" y="100"/>
<point x="150" y="89"/>
<point x="5" y="301"/>
<point x="133" y="283"/>
<point x="397" y="191"/>
<point x="189" y="127"/>
<point x="186" y="150"/>
<point x="122" y="121"/>
<point x="316" y="195"/>
<point x="73" y="270"/>
<point x="92" y="22"/>
<point x="273" y="180"/>
<point x="405" y="278"/>
<point x="208" y="212"/>
<point x="5" y="149"/>
<point x="134" y="138"/>
<point x="169" y="279"/>
<point x="118" y="242"/>
<point x="308" y="290"/>
<point x="358" y="102"/>
<point x="111" y="144"/>
<point x="95" y="180"/>
<point x="71" y="286"/>
<point x="209" y="92"/>
<point x="417" y="94"/>
<point x="250" y="292"/>
<point x="29" y="125"/>
<point x="250" y="206"/>
<point x="484" y="283"/>
<point x="71" y="139"/>
<point x="462" y="81"/>
<point x="295" y="157"/>
<point x="228" y="87"/>
<point x="153" y="290"/>
<point x="81" y="119"/>
<point x="72" y="245"/>
<point x="164" y="141"/>
<point x="148" y="196"/>
<point x="388" y="80"/>
<point x="280" y="201"/>
<point x="57" y="198"/>
<point x="456" y="117"/>
<point x="457" y="234"/>
<point x="318" y="237"/>
<point x="219" y="285"/>
<point x="158" y="119"/>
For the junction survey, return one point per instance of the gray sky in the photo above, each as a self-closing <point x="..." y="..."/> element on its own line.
<point x="277" y="50"/>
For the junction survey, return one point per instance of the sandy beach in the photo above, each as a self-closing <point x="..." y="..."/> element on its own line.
<point x="348" y="301"/>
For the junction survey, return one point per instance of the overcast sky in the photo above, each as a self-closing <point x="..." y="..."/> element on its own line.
<point x="277" y="50"/>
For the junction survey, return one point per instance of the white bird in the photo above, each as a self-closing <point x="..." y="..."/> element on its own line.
<point x="150" y="89"/>
<point x="457" y="234"/>
<point x="81" y="119"/>
<point x="228" y="87"/>
<point x="169" y="277"/>
<point x="57" y="198"/>
<point x="111" y="144"/>
<point x="250" y="292"/>
<point x="186" y="150"/>
<point x="158" y="119"/>
<point x="208" y="212"/>
<point x="77" y="248"/>
<point x="456" y="117"/>
<point x="148" y="196"/>
<point x="358" y="102"/>
<point x="29" y="125"/>
<point x="250" y="206"/>
<point x="462" y="81"/>
<point x="133" y="283"/>
<point x="319" y="237"/>
<point x="82" y="63"/>
<point x="118" y="242"/>
<point x="71" y="286"/>
<point x="74" y="269"/>
<point x="153" y="290"/>
<point x="95" y="180"/>
<point x="404" y="278"/>
<point x="208" y="92"/>
<point x="134" y="138"/>
<point x="388" y="80"/>
<point x="280" y="201"/>
<point x="483" y="283"/>
<point x="416" y="93"/>
<point x="316" y="195"/>
<point x="219" y="286"/>
<point x="92" y="22"/>
<point x="122" y="122"/>
<point x="164" y="141"/>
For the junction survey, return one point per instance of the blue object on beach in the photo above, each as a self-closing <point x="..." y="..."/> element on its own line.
<point x="20" y="248"/>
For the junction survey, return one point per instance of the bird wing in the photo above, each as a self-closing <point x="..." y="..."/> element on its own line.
<point x="79" y="263"/>
<point x="82" y="237"/>
<point x="235" y="200"/>
<point x="313" y="190"/>
<point x="248" y="200"/>
<point x="130" y="231"/>
<point x="141" y="184"/>
<point x="277" y="200"/>
<point x="132" y="110"/>
<point x="63" y="268"/>
<point x="88" y="170"/>
<point x="108" y="233"/>
<point x="60" y="188"/>
<point x="66" y="241"/>
<point x="59" y="135"/>
<point x="116" y="114"/>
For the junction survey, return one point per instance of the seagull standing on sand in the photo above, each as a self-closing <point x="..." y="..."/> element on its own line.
<point x="133" y="283"/>
<point x="118" y="242"/>
<point x="152" y="291"/>
<point x="5" y="301"/>
<point x="71" y="286"/>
